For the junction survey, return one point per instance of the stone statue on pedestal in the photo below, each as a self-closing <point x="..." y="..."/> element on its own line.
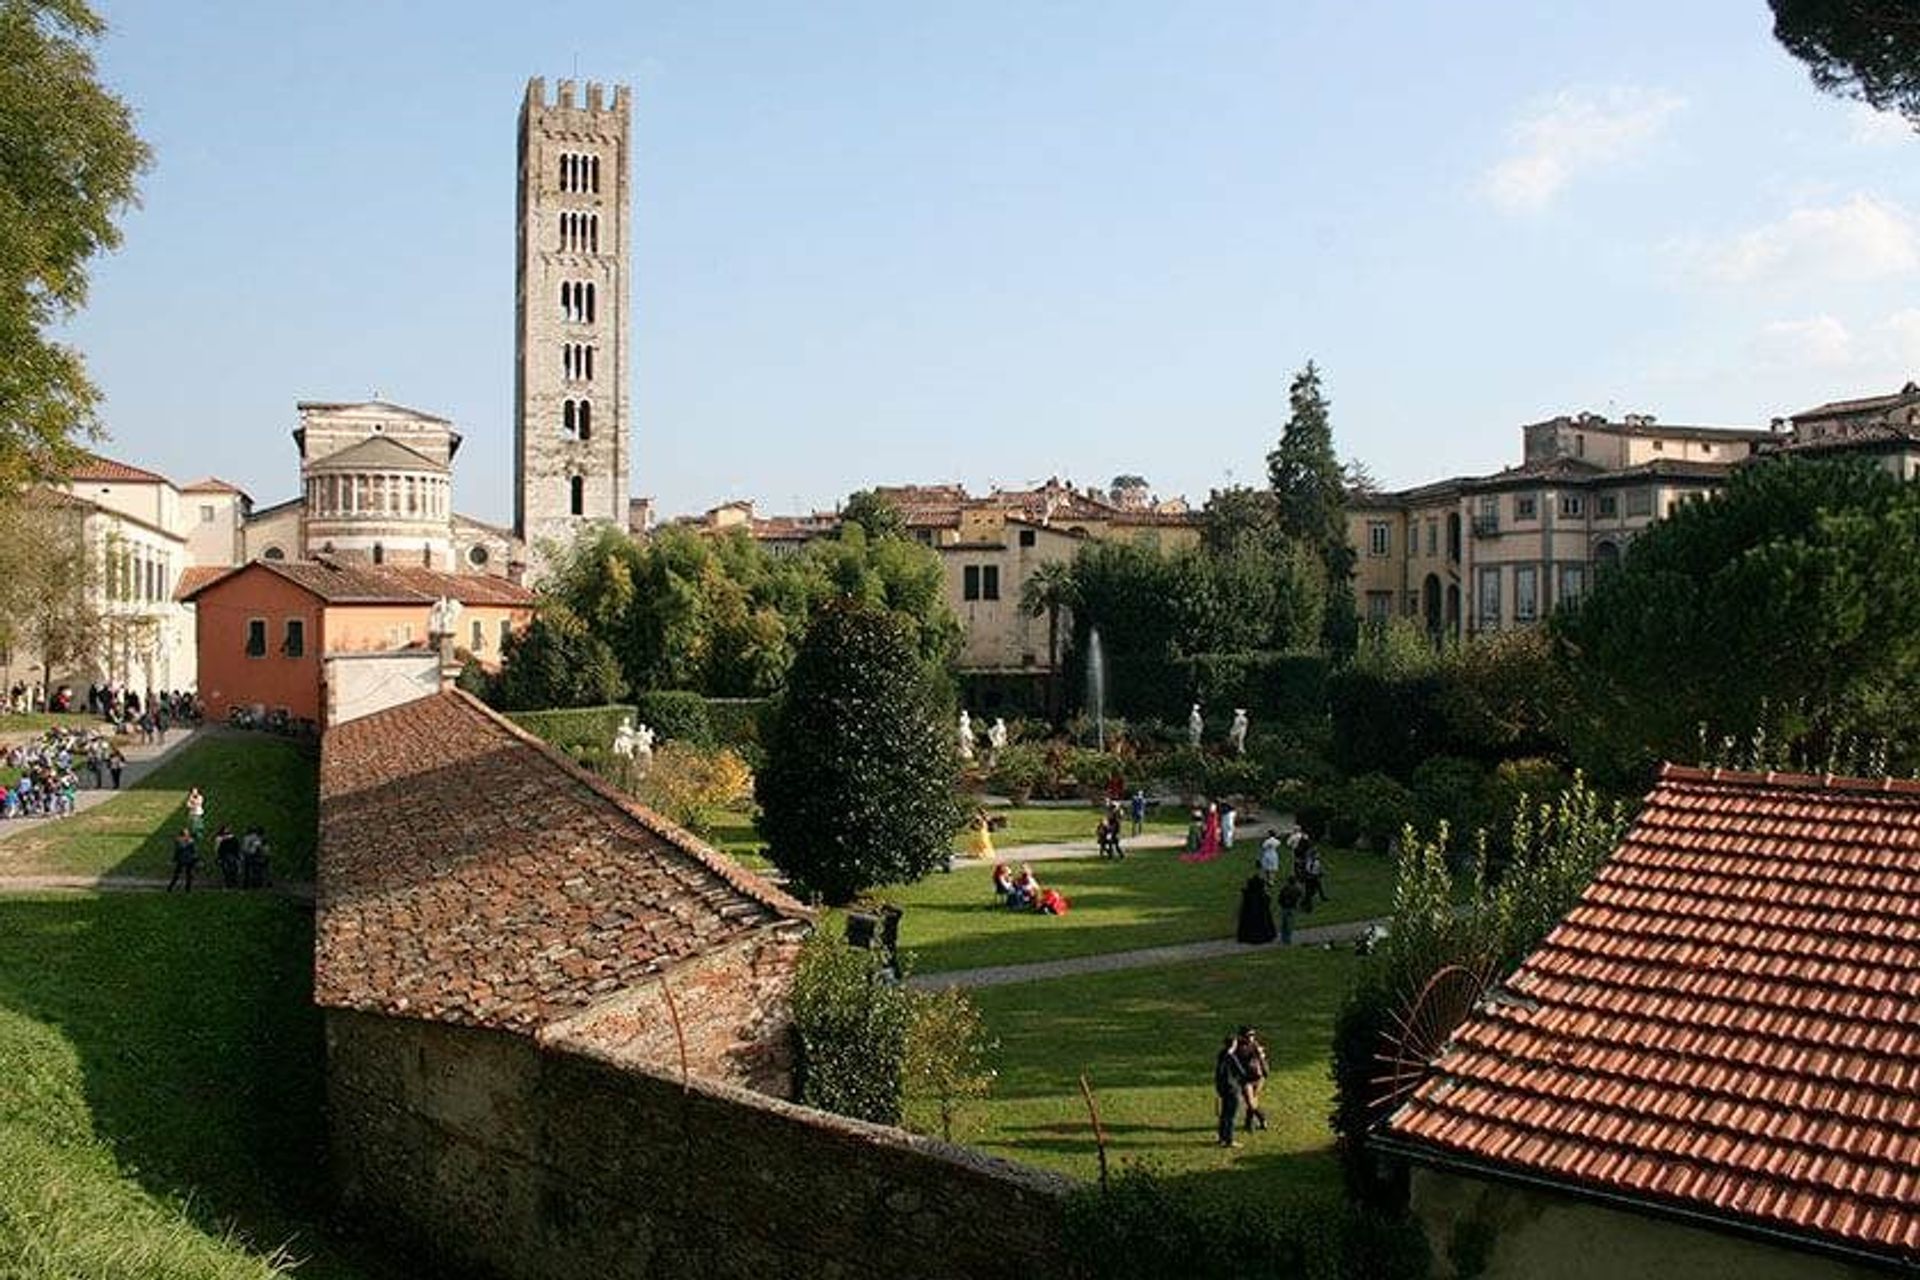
<point x="1195" y="725"/>
<point x="1237" y="731"/>
<point x="966" y="737"/>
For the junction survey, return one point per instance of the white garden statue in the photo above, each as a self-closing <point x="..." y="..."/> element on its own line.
<point x="1237" y="731"/>
<point x="634" y="747"/>
<point x="997" y="735"/>
<point x="624" y="739"/>
<point x="966" y="737"/>
<point x="1195" y="726"/>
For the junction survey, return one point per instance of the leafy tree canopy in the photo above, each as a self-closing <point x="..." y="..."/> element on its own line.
<point x="68" y="161"/>
<point x="875" y="513"/>
<point x="556" y="662"/>
<point x="1791" y="596"/>
<point x="858" y="789"/>
<point x="722" y="616"/>
<point x="1863" y="49"/>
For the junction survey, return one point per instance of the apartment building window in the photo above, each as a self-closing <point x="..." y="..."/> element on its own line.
<point x="295" y="644"/>
<point x="1433" y="537"/>
<point x="990" y="582"/>
<point x="1639" y="502"/>
<point x="980" y="582"/>
<point x="506" y="630"/>
<point x="1489" y="597"/>
<point x="970" y="582"/>
<point x="1573" y="583"/>
<point x="1027" y="538"/>
<point x="1526" y="593"/>
<point x="256" y="637"/>
<point x="206" y="513"/>
<point x="1571" y="504"/>
<point x="1379" y="607"/>
<point x="1526" y="506"/>
<point x="479" y="635"/>
<point x="1609" y="506"/>
<point x="1379" y="538"/>
<point x="577" y="495"/>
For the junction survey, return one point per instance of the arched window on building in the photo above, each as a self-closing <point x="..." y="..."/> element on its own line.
<point x="585" y="419"/>
<point x="577" y="495"/>
<point x="568" y="423"/>
<point x="273" y="553"/>
<point x="379" y="554"/>
<point x="590" y="302"/>
<point x="593" y="231"/>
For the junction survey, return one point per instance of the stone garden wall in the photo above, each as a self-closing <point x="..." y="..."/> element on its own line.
<point x="503" y="1157"/>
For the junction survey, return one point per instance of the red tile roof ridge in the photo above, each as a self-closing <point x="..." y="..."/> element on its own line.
<point x="735" y="875"/>
<point x="1670" y="772"/>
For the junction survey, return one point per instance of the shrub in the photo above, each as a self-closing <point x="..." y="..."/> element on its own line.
<point x="1019" y="769"/>
<point x="1185" y="769"/>
<point x="850" y="1031"/>
<point x="1232" y="776"/>
<point x="1141" y="1228"/>
<point x="686" y="782"/>
<point x="1513" y="785"/>
<point x="858" y="788"/>
<point x="1451" y="789"/>
<point x="947" y="1053"/>
<point x="1094" y="768"/>
<point x="1279" y="687"/>
<point x="738" y="723"/>
<point x="676" y="715"/>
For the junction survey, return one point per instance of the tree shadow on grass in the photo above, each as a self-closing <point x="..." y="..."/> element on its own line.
<point x="200" y="1052"/>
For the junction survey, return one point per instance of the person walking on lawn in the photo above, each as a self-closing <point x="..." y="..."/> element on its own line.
<point x="186" y="856"/>
<point x="1270" y="858"/>
<point x="226" y="852"/>
<point x="115" y="763"/>
<point x="1316" y="878"/>
<point x="1137" y="808"/>
<point x="1253" y="1064"/>
<point x="1289" y="900"/>
<point x="253" y="858"/>
<point x="1229" y="1085"/>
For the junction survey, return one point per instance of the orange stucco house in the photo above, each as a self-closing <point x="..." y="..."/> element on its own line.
<point x="267" y="628"/>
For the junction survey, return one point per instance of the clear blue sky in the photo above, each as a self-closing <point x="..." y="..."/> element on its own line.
<point x="992" y="241"/>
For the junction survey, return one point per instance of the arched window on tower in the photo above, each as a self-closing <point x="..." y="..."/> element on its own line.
<point x="567" y="421"/>
<point x="593" y="231"/>
<point x="588" y="351"/>
<point x="594" y="165"/>
<point x="379" y="554"/>
<point x="589" y="307"/>
<point x="586" y="420"/>
<point x="577" y="495"/>
<point x="566" y="299"/>
<point x="566" y="170"/>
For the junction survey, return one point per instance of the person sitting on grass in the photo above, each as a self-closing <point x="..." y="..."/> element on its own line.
<point x="1051" y="903"/>
<point x="1026" y="890"/>
<point x="1002" y="883"/>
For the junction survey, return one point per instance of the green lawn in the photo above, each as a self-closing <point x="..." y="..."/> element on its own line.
<point x="1146" y="1039"/>
<point x="1150" y="899"/>
<point x="161" y="1090"/>
<point x="1029" y="825"/>
<point x="246" y="779"/>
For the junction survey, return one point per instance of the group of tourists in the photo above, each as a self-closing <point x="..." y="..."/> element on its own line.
<point x="242" y="858"/>
<point x="1305" y="884"/>
<point x="1022" y="891"/>
<point x="49" y="770"/>
<point x="1239" y="1072"/>
<point x="1210" y="831"/>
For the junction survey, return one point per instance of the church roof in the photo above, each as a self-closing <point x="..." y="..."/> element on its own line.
<point x="470" y="874"/>
<point x="375" y="454"/>
<point x="382" y="407"/>
<point x="213" y="484"/>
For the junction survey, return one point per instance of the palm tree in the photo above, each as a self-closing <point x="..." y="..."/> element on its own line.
<point x="1049" y="589"/>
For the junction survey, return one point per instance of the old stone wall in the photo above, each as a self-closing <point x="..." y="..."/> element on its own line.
<point x="731" y="1007"/>
<point x="512" y="1159"/>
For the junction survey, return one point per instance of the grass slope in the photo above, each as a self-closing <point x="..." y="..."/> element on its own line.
<point x="1149" y="899"/>
<point x="247" y="778"/>
<point x="1146" y="1039"/>
<point x="160" y="1088"/>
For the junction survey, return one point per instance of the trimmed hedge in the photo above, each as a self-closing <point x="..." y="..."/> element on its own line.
<point x="578" y="731"/>
<point x="677" y="715"/>
<point x="737" y="723"/>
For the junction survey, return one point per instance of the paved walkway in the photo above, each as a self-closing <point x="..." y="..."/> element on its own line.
<point x="1146" y="957"/>
<point x="141" y="760"/>
<point x="1066" y="849"/>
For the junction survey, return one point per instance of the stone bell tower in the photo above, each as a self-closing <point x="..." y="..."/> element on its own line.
<point x="571" y="435"/>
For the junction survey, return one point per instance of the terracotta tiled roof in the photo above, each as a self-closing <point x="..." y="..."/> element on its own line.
<point x="196" y="576"/>
<point x="1727" y="1024"/>
<point x="469" y="874"/>
<point x="376" y="452"/>
<point x="213" y="484"/>
<point x="1865" y="404"/>
<point x="342" y="583"/>
<point x="106" y="471"/>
